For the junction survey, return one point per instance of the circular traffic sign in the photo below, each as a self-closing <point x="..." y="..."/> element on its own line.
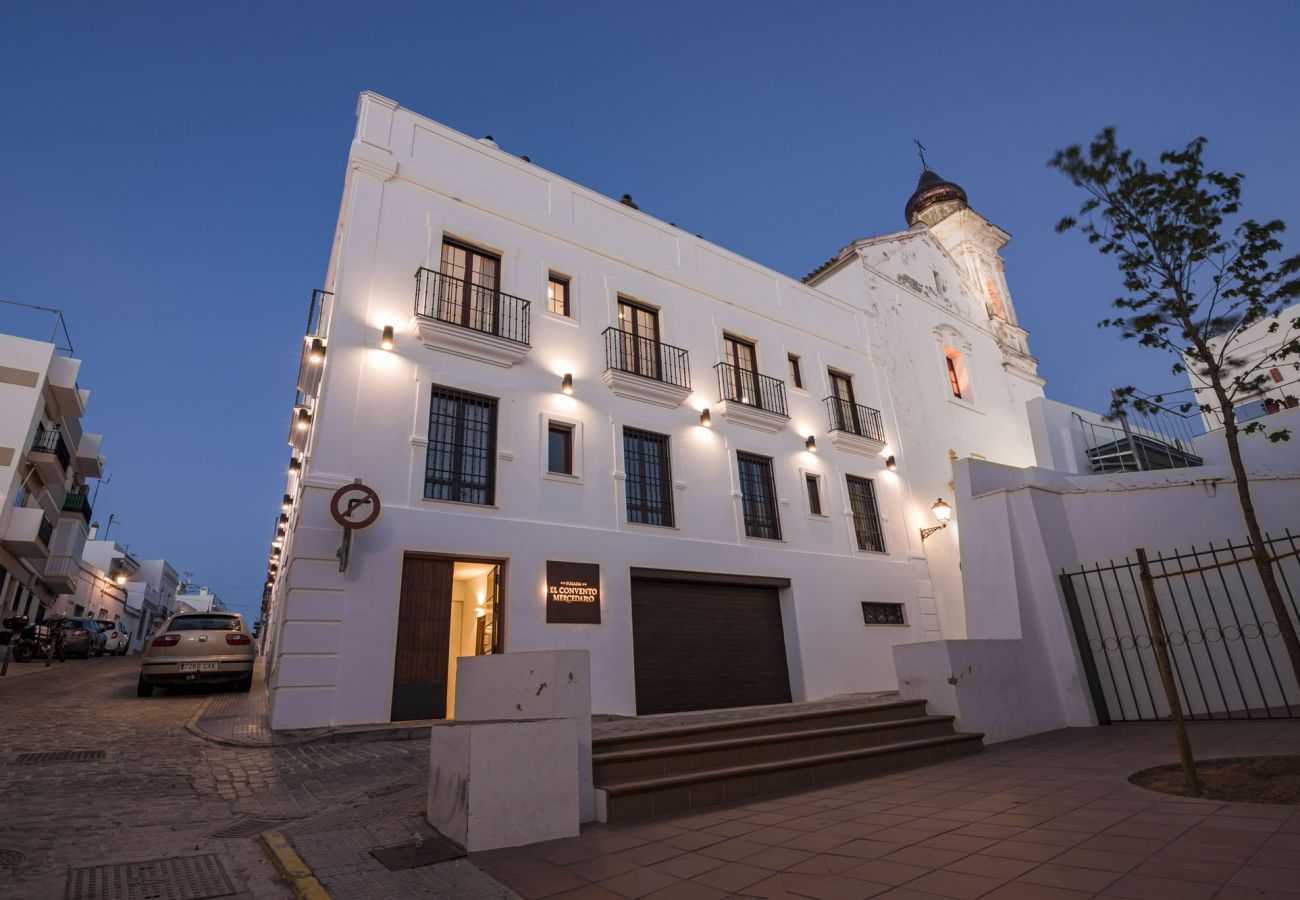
<point x="355" y="505"/>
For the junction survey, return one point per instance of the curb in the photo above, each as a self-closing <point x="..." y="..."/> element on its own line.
<point x="295" y="872"/>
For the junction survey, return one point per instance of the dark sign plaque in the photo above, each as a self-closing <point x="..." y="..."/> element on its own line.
<point x="572" y="593"/>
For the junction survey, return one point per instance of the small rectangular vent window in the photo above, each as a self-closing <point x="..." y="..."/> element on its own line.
<point x="882" y="613"/>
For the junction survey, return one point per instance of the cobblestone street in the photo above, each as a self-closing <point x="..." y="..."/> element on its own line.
<point x="158" y="790"/>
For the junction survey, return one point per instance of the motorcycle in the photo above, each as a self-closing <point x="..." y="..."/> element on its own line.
<point x="34" y="641"/>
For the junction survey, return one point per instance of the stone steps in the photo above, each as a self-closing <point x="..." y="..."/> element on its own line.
<point x="680" y="767"/>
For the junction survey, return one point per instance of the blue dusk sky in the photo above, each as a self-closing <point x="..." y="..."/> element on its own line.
<point x="170" y="175"/>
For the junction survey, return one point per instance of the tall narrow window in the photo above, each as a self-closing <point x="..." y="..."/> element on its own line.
<point x="649" y="478"/>
<point x="796" y="374"/>
<point x="468" y="288"/>
<point x="814" y="487"/>
<point x="758" y="496"/>
<point x="953" y="382"/>
<point x="639" y="339"/>
<point x="557" y="295"/>
<point x="460" y="463"/>
<point x="958" y="374"/>
<point x="742" y="371"/>
<point x="559" y="448"/>
<point x="866" y="517"/>
<point x="844" y="409"/>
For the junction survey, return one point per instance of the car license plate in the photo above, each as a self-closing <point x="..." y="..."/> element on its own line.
<point x="199" y="667"/>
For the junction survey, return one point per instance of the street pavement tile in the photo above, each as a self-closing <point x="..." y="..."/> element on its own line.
<point x="1016" y="849"/>
<point x="688" y="865"/>
<point x="693" y="840"/>
<point x="963" y="843"/>
<point x="1123" y="843"/>
<point x="818" y="842"/>
<point x="733" y="876"/>
<point x="601" y="867"/>
<point x="732" y="850"/>
<point x="768" y="818"/>
<point x="732" y="828"/>
<point x="1247" y="893"/>
<point x="851" y="829"/>
<point x="1144" y="887"/>
<point x="649" y="854"/>
<point x="1024" y="890"/>
<point x="997" y="832"/>
<point x="1071" y="877"/>
<point x="903" y="835"/>
<point x="553" y="880"/>
<point x="1267" y="878"/>
<point x="829" y="887"/>
<point x="808" y="823"/>
<point x="1275" y="856"/>
<point x="687" y="890"/>
<point x="772" y="835"/>
<point x="991" y="866"/>
<point x="638" y="882"/>
<point x="925" y="856"/>
<point x="955" y="884"/>
<point x="864" y="848"/>
<point x="1210" y="871"/>
<point x="826" y="864"/>
<point x="1185" y="849"/>
<point x="656" y="832"/>
<point x="905" y="893"/>
<point x="882" y="871"/>
<point x="1284" y="842"/>
<point x="1243" y="823"/>
<point x="563" y="852"/>
<point x="778" y="858"/>
<point x="1050" y="836"/>
<point x="588" y="892"/>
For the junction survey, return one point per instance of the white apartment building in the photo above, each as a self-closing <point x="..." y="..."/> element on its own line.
<point x="589" y="429"/>
<point x="201" y="600"/>
<point x="148" y="586"/>
<point x="1251" y="355"/>
<point x="45" y="459"/>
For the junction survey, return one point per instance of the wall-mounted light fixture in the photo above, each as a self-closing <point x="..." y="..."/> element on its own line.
<point x="287" y="503"/>
<point x="295" y="464"/>
<point x="304" y="420"/>
<point x="566" y="383"/>
<point x="387" y="340"/>
<point x="811" y="444"/>
<point x="942" y="512"/>
<point x="316" y="355"/>
<point x="706" y="418"/>
<point x="891" y="464"/>
<point x="119" y="577"/>
<point x="283" y="520"/>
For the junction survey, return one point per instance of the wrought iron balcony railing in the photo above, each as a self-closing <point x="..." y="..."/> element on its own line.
<point x="750" y="388"/>
<point x="78" y="502"/>
<point x="317" y="315"/>
<point x="855" y="419"/>
<point x="636" y="355"/>
<point x="472" y="306"/>
<point x="50" y="440"/>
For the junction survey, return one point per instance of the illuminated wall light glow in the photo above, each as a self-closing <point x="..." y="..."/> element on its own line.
<point x="811" y="444"/>
<point x="387" y="340"/>
<point x="706" y="418"/>
<point x="316" y="355"/>
<point x="566" y="383"/>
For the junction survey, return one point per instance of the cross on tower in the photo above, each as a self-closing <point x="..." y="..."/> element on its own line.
<point x="920" y="151"/>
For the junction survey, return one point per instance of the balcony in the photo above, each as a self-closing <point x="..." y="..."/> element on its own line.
<point x="49" y="454"/>
<point x="854" y="427"/>
<point x="89" y="463"/>
<point x="60" y="574"/>
<point x="751" y="399"/>
<point x="312" y="363"/>
<point x="470" y="320"/>
<point x="29" y="533"/>
<point x="63" y="384"/>
<point x="643" y="369"/>
<point x="77" y="503"/>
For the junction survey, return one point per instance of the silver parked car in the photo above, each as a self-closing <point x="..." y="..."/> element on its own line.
<point x="199" y="648"/>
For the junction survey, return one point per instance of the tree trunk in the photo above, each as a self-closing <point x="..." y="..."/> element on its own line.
<point x="1260" y="550"/>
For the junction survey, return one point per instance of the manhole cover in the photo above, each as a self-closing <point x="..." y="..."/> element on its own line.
<point x="10" y="858"/>
<point x="53" y="756"/>
<point x="173" y="878"/>
<point x="432" y="849"/>
<point x="246" y="827"/>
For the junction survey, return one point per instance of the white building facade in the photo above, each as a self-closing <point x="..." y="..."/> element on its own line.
<point x="45" y="460"/>
<point x="588" y="429"/>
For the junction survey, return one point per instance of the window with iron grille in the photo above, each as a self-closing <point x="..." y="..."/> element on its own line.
<point x="866" y="517"/>
<point x="758" y="496"/>
<point x="460" y="464"/>
<point x="649" y="478"/>
<point x="882" y="613"/>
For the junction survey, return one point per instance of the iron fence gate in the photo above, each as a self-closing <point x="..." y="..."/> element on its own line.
<point x="1224" y="644"/>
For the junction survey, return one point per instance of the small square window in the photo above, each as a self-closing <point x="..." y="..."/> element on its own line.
<point x="559" y="448"/>
<point x="813" y="484"/>
<point x="796" y="374"/>
<point x="557" y="295"/>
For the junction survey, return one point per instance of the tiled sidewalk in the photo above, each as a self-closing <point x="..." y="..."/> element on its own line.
<point x="1046" y="818"/>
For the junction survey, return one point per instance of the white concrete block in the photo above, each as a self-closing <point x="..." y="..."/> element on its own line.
<point x="307" y="671"/>
<point x="503" y="784"/>
<point x="311" y="637"/>
<point x="301" y="707"/>
<point x="539" y="684"/>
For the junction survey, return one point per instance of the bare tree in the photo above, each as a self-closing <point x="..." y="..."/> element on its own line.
<point x="1196" y="276"/>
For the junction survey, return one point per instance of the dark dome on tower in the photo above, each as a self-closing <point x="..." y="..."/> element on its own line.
<point x="932" y="189"/>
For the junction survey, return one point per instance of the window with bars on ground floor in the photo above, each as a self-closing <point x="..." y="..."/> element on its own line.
<point x="866" y="515"/>
<point x="649" y="478"/>
<point x="460" y="463"/>
<point x="758" y="496"/>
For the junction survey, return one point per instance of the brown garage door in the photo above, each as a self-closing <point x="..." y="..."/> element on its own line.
<point x="706" y="646"/>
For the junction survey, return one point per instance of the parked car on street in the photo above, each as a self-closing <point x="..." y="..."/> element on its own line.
<point x="117" y="639"/>
<point x="204" y="648"/>
<point x="82" y="637"/>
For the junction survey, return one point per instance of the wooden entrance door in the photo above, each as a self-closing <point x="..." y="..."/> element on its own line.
<point x="423" y="638"/>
